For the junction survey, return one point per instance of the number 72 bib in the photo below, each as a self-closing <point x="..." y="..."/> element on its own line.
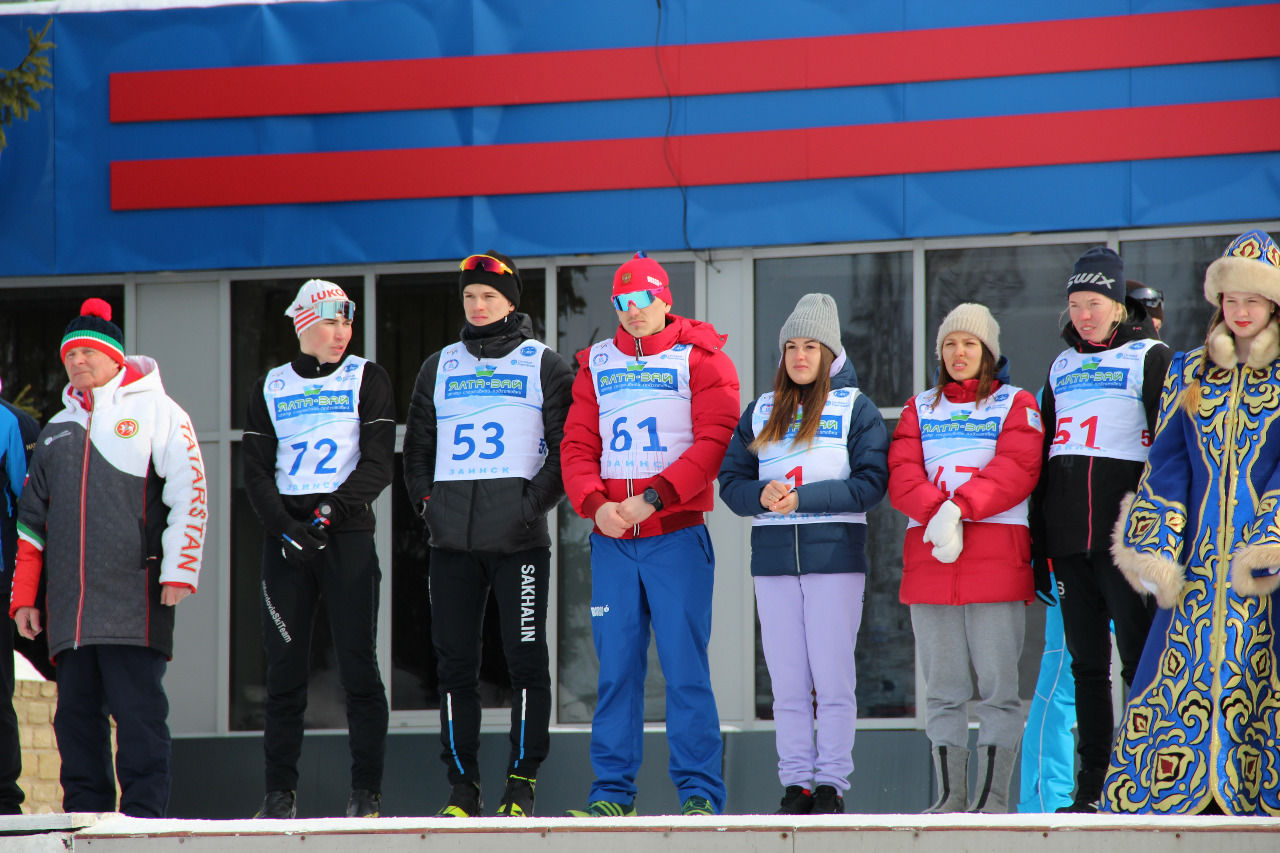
<point x="317" y="423"/>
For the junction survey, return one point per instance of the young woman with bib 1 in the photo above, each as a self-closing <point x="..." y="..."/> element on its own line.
<point x="806" y="462"/>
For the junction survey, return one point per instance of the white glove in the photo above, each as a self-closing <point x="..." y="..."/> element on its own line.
<point x="944" y="524"/>
<point x="950" y="550"/>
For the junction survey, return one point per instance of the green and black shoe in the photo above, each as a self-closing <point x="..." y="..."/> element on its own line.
<point x="604" y="808"/>
<point x="464" y="801"/>
<point x="517" y="799"/>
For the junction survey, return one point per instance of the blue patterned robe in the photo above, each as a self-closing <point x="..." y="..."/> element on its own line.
<point x="1203" y="720"/>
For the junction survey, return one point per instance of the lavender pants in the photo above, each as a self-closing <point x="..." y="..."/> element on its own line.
<point x="809" y="629"/>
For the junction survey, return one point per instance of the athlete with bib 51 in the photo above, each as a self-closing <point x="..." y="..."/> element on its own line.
<point x="653" y="409"/>
<point x="807" y="462"/>
<point x="482" y="465"/>
<point x="1100" y="404"/>
<point x="964" y="460"/>
<point x="319" y="442"/>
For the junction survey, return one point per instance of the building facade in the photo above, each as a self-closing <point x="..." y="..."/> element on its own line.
<point x="194" y="165"/>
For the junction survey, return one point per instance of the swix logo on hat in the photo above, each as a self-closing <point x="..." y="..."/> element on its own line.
<point x="1091" y="278"/>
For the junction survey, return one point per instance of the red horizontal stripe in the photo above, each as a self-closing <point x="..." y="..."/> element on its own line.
<point x="1092" y="136"/>
<point x="1042" y="47"/>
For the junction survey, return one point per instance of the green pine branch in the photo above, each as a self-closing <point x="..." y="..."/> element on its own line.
<point x="18" y="87"/>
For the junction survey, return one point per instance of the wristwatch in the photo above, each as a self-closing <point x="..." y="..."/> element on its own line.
<point x="652" y="499"/>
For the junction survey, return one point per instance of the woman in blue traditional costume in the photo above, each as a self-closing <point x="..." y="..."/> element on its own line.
<point x="1202" y="533"/>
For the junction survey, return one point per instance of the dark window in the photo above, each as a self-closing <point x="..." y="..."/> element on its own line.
<point x="1176" y="268"/>
<point x="32" y="321"/>
<point x="584" y="316"/>
<point x="873" y="297"/>
<point x="1025" y="288"/>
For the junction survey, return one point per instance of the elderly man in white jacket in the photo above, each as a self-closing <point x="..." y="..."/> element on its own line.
<point x="114" y="515"/>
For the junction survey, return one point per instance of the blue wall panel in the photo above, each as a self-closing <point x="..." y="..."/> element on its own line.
<point x="54" y="191"/>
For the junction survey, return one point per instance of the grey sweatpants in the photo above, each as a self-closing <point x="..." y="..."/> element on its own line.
<point x="948" y="639"/>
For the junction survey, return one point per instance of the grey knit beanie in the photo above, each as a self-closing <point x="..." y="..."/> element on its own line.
<point x="814" y="317"/>
<point x="976" y="320"/>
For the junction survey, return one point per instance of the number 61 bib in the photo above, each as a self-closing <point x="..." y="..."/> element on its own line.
<point x="489" y="414"/>
<point x="646" y="419"/>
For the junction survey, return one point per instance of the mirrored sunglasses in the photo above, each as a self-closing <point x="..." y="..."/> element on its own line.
<point x="642" y="299"/>
<point x="335" y="310"/>
<point x="488" y="263"/>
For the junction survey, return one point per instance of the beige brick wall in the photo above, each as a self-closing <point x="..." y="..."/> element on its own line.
<point x="34" y="702"/>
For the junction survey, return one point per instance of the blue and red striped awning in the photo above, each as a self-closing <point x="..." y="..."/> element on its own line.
<point x="830" y="148"/>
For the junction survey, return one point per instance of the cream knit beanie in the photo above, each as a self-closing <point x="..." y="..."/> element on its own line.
<point x="976" y="320"/>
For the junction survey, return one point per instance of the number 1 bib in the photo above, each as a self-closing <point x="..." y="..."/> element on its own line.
<point x="646" y="419"/>
<point x="317" y="424"/>
<point x="826" y="458"/>
<point x="489" y="414"/>
<point x="1098" y="401"/>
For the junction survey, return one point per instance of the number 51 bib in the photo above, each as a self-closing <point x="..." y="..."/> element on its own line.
<point x="1098" y="403"/>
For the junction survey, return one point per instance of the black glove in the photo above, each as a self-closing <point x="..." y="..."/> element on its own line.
<point x="1043" y="572"/>
<point x="300" y="543"/>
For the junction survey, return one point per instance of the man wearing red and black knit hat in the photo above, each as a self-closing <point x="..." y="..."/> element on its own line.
<point x="120" y="458"/>
<point x="653" y="410"/>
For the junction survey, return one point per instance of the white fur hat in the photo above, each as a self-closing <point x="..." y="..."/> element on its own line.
<point x="1251" y="264"/>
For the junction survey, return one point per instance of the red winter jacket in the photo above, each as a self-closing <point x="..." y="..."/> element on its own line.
<point x="995" y="564"/>
<point x="685" y="485"/>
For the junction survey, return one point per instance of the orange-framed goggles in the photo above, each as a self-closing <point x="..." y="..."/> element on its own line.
<point x="488" y="263"/>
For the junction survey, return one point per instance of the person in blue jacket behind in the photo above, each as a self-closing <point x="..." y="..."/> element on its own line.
<point x="806" y="462"/>
<point x="18" y="432"/>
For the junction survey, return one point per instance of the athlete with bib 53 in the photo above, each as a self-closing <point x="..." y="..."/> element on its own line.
<point x="482" y="465"/>
<point x="1100" y="404"/>
<point x="807" y="462"/>
<point x="653" y="409"/>
<point x="319" y="442"/>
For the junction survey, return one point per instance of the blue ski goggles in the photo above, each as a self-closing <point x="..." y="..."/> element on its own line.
<point x="642" y="299"/>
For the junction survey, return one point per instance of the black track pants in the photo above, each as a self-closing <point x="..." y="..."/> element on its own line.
<point x="1095" y="594"/>
<point x="459" y="590"/>
<point x="346" y="576"/>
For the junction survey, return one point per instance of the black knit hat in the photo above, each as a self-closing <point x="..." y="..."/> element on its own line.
<point x="1099" y="270"/>
<point x="508" y="284"/>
